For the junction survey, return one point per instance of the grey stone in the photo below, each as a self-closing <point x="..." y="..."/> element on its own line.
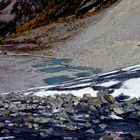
<point x="118" y="110"/>
<point x="60" y="102"/>
<point x="61" y="116"/>
<point x="67" y="105"/>
<point x="90" y="131"/>
<point x="23" y="107"/>
<point x="67" y="98"/>
<point x="135" y="135"/>
<point x="131" y="102"/>
<point x="43" y="134"/>
<point x="137" y="107"/>
<point x="6" y="105"/>
<point x="36" y="126"/>
<point x="5" y="131"/>
<point x="102" y="93"/>
<point x="138" y="113"/>
<point x="106" y="138"/>
<point x="1" y="104"/>
<point x="96" y="121"/>
<point x="29" y="125"/>
<point x="2" y="125"/>
<point x="102" y="126"/>
<point x="52" y="102"/>
<point x="118" y="138"/>
<point x="48" y="131"/>
<point x="14" y="114"/>
<point x="83" y="104"/>
<point x="87" y="125"/>
<point x="75" y="100"/>
<point x="86" y="115"/>
<point x="41" y="120"/>
<point x="11" y="124"/>
<point x="13" y="107"/>
<point x="4" y="112"/>
<point x="70" y="110"/>
<point x="94" y="101"/>
<point x="3" y="53"/>
<point x="102" y="117"/>
<point x="93" y="108"/>
<point x="71" y="127"/>
<point x="86" y="96"/>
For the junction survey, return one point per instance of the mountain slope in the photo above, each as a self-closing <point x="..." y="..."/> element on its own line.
<point x="21" y="16"/>
<point x="17" y="12"/>
<point x="110" y="42"/>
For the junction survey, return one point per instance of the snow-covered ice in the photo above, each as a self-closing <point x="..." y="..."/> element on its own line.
<point x="126" y="81"/>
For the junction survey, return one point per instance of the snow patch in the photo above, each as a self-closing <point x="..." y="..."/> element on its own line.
<point x="108" y="73"/>
<point x="113" y="116"/>
<point x="8" y="138"/>
<point x="78" y="93"/>
<point x="130" y="87"/>
<point x="136" y="67"/>
<point x="109" y="83"/>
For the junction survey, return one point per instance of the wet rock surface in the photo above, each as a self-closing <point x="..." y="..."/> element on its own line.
<point x="67" y="117"/>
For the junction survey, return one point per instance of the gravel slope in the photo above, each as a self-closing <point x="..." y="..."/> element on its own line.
<point x="109" y="43"/>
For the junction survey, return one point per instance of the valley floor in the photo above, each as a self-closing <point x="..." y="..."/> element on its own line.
<point x="108" y="40"/>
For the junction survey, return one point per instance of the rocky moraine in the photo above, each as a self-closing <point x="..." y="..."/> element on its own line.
<point x="68" y="117"/>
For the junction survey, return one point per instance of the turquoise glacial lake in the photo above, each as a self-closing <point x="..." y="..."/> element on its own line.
<point x="57" y="71"/>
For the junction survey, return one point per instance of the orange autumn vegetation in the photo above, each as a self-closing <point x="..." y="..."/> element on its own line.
<point x="49" y="16"/>
<point x="1" y="38"/>
<point x="40" y="20"/>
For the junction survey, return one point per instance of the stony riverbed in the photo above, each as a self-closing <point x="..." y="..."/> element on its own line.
<point x="68" y="117"/>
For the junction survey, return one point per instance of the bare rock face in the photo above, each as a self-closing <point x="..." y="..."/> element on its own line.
<point x="87" y="5"/>
<point x="4" y="3"/>
<point x="6" y="12"/>
<point x="15" y="13"/>
<point x="6" y="15"/>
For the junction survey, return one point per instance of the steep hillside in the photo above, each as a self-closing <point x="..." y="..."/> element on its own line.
<point x="21" y="16"/>
<point x="110" y="42"/>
